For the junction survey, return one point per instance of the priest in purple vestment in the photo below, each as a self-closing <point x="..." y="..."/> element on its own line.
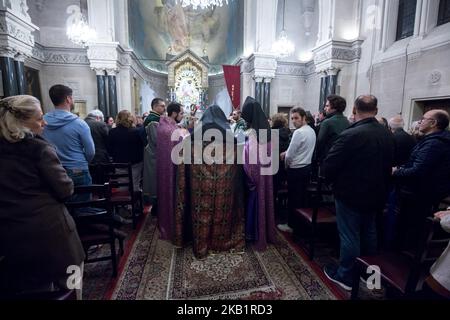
<point x="260" y="222"/>
<point x="166" y="169"/>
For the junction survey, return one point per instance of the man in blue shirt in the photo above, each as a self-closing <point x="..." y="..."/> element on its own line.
<point x="70" y="135"/>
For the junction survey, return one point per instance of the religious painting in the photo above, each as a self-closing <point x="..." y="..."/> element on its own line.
<point x="188" y="84"/>
<point x="162" y="29"/>
<point x="33" y="87"/>
<point x="80" y="109"/>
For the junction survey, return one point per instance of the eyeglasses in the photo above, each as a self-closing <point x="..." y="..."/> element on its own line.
<point x="428" y="119"/>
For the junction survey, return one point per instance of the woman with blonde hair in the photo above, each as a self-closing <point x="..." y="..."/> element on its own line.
<point x="126" y="146"/>
<point x="38" y="237"/>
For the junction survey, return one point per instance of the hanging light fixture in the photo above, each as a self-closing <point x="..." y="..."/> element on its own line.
<point x="78" y="29"/>
<point x="202" y="4"/>
<point x="283" y="47"/>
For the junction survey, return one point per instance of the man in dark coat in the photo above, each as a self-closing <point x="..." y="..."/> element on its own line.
<point x="99" y="132"/>
<point x="359" y="166"/>
<point x="330" y="128"/>
<point x="425" y="179"/>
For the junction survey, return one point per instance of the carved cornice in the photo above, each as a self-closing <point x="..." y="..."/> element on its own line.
<point x="294" y="69"/>
<point x="260" y="66"/>
<point x="334" y="54"/>
<point x="48" y="55"/>
<point x="16" y="33"/>
<point x="104" y="55"/>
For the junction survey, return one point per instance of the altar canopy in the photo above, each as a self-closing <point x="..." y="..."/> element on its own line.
<point x="188" y="79"/>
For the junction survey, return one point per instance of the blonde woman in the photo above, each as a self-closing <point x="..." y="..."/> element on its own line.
<point x="125" y="145"/>
<point x="38" y="238"/>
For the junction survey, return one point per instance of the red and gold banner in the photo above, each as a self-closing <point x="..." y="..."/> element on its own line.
<point x="232" y="76"/>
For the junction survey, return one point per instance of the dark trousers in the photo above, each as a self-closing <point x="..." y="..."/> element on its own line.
<point x="414" y="209"/>
<point x="298" y="180"/>
<point x="358" y="236"/>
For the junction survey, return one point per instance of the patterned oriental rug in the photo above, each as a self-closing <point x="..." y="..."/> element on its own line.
<point x="154" y="270"/>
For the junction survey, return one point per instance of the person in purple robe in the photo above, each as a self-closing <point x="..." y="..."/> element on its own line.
<point x="166" y="169"/>
<point x="260" y="217"/>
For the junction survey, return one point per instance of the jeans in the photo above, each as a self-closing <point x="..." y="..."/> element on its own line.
<point x="80" y="178"/>
<point x="358" y="235"/>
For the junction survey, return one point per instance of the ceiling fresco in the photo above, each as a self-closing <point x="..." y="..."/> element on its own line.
<point x="162" y="29"/>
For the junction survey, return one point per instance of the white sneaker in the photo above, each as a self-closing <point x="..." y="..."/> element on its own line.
<point x="285" y="228"/>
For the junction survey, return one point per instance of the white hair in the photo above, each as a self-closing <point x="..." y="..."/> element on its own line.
<point x="97" y="113"/>
<point x="396" y="123"/>
<point x="13" y="112"/>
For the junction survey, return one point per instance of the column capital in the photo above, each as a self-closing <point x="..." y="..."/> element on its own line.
<point x="20" y="57"/>
<point x="322" y="73"/>
<point x="333" y="71"/>
<point x="112" y="72"/>
<point x="258" y="79"/>
<point x="99" y="71"/>
<point x="7" y="52"/>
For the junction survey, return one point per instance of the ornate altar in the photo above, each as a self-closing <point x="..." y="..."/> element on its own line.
<point x="188" y="79"/>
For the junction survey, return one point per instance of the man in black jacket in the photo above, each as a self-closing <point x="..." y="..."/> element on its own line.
<point x="425" y="178"/>
<point x="359" y="166"/>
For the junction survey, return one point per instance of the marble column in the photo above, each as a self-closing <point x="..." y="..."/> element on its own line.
<point x="9" y="76"/>
<point x="101" y="92"/>
<point x="332" y="80"/>
<point x="20" y="72"/>
<point x="266" y="102"/>
<point x="323" y="90"/>
<point x="112" y="93"/>
<point x="259" y="96"/>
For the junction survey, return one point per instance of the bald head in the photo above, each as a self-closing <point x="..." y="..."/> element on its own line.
<point x="396" y="123"/>
<point x="442" y="118"/>
<point x="434" y="121"/>
<point x="366" y="106"/>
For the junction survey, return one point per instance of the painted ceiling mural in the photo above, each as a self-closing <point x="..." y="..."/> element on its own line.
<point x="162" y="29"/>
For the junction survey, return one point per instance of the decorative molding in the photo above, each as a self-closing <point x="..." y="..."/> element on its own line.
<point x="16" y="31"/>
<point x="335" y="54"/>
<point x="48" y="55"/>
<point x="261" y="66"/>
<point x="287" y="69"/>
<point x="435" y="77"/>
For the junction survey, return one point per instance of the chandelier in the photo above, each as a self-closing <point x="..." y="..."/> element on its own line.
<point x="78" y="30"/>
<point x="283" y="47"/>
<point x="202" y="4"/>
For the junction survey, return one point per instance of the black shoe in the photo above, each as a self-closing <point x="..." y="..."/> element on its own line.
<point x="331" y="273"/>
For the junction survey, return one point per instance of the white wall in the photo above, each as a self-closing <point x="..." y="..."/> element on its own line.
<point x="287" y="91"/>
<point x="312" y="93"/>
<point x="400" y="72"/>
<point x="80" y="78"/>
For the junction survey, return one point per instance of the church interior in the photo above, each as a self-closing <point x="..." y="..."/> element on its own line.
<point x="343" y="85"/>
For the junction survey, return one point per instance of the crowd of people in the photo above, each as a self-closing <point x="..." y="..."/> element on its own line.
<point x="220" y="201"/>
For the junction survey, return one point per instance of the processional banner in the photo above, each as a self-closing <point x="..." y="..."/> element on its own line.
<point x="232" y="76"/>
